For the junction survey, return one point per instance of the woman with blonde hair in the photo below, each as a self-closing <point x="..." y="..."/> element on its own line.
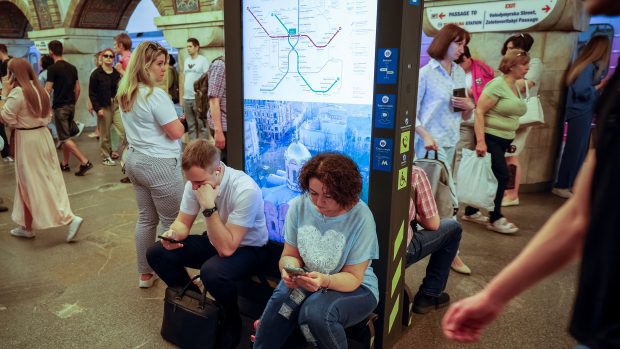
<point x="496" y="121"/>
<point x="584" y="82"/>
<point x="153" y="161"/>
<point x="41" y="199"/>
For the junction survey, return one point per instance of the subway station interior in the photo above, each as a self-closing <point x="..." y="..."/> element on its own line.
<point x="84" y="294"/>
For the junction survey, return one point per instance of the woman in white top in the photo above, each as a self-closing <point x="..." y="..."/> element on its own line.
<point x="521" y="41"/>
<point x="41" y="200"/>
<point x="154" y="159"/>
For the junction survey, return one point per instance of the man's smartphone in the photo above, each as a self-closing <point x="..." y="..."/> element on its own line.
<point x="458" y="92"/>
<point x="294" y="271"/>
<point x="169" y="239"/>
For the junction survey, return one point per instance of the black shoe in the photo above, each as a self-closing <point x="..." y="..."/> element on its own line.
<point x="65" y="168"/>
<point x="230" y="333"/>
<point x="84" y="168"/>
<point x="422" y="303"/>
<point x="3" y="208"/>
<point x="125" y="180"/>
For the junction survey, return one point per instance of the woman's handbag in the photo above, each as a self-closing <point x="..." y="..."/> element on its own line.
<point x="534" y="114"/>
<point x="191" y="320"/>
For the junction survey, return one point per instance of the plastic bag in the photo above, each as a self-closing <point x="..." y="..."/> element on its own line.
<point x="476" y="184"/>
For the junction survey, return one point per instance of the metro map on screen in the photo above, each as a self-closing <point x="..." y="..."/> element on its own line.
<point x="308" y="88"/>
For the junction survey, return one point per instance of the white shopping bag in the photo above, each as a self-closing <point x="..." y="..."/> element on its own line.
<point x="476" y="184"/>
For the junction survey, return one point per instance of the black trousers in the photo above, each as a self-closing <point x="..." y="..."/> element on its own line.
<point x="497" y="147"/>
<point x="218" y="274"/>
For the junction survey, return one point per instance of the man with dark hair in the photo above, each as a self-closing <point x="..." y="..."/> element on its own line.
<point x="122" y="47"/>
<point x="4" y="61"/>
<point x="62" y="78"/>
<point x="231" y="247"/>
<point x="194" y="67"/>
<point x="585" y="227"/>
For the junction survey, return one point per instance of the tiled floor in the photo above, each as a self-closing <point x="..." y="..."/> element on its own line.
<point x="85" y="295"/>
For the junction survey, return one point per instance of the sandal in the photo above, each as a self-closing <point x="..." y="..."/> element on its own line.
<point x="476" y="218"/>
<point x="502" y="226"/>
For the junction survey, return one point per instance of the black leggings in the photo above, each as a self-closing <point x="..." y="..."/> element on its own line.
<point x="496" y="146"/>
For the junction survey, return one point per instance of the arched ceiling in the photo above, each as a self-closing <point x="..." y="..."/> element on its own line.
<point x="13" y="21"/>
<point x="108" y="14"/>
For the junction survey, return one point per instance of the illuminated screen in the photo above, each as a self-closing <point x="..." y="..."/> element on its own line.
<point x="308" y="72"/>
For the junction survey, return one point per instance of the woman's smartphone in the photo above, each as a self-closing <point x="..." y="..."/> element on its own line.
<point x="294" y="271"/>
<point x="169" y="239"/>
<point x="459" y="92"/>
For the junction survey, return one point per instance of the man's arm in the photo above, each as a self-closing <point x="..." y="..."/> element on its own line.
<point x="559" y="242"/>
<point x="179" y="230"/>
<point x="216" y="116"/>
<point x="76" y="89"/>
<point x="427" y="214"/>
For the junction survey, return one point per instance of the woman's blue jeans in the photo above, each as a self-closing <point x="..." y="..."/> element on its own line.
<point x="321" y="316"/>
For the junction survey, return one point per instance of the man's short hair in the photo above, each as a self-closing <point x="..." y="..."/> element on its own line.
<point x="3" y="49"/>
<point x="200" y="153"/>
<point x="124" y="40"/>
<point x="194" y="42"/>
<point x="55" y="47"/>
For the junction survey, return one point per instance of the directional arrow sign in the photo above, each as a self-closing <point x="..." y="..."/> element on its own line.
<point x="492" y="16"/>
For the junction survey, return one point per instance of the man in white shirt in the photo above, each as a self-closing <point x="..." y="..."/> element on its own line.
<point x="193" y="67"/>
<point x="230" y="249"/>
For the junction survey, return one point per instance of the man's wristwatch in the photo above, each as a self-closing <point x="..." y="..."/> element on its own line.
<point x="209" y="211"/>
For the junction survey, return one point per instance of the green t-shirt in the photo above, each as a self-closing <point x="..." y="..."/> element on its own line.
<point x="503" y="119"/>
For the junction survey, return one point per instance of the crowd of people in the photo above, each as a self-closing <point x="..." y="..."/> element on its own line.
<point x="330" y="238"/>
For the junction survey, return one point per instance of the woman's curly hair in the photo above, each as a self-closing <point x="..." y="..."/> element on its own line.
<point x="338" y="173"/>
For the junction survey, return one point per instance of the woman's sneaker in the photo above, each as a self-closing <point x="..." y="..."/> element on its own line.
<point x="22" y="233"/>
<point x="84" y="168"/>
<point x="563" y="193"/>
<point x="503" y="226"/>
<point x="74" y="228"/>
<point x="476" y="218"/>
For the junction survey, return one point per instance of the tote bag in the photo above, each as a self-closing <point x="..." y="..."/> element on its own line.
<point x="534" y="114"/>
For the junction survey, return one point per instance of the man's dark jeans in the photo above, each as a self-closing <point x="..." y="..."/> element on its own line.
<point x="442" y="245"/>
<point x="218" y="274"/>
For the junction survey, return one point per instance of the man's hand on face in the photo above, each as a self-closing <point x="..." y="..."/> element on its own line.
<point x="206" y="195"/>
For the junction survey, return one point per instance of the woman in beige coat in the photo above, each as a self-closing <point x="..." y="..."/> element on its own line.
<point x="41" y="199"/>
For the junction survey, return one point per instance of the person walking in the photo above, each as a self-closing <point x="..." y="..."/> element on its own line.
<point x="41" y="199"/>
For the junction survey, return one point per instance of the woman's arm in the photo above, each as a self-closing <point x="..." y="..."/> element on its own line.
<point x="174" y="129"/>
<point x="347" y="280"/>
<point x="485" y="103"/>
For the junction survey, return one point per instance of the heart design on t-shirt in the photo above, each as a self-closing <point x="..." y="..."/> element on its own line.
<point x="320" y="252"/>
<point x="190" y="66"/>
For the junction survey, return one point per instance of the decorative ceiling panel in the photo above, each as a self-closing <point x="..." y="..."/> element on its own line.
<point x="13" y="23"/>
<point x="102" y="14"/>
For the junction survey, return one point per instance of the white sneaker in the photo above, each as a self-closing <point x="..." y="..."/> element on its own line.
<point x="22" y="233"/>
<point x="563" y="193"/>
<point x="74" y="228"/>
<point x="8" y="159"/>
<point x="109" y="162"/>
<point x="147" y="283"/>
<point x="476" y="218"/>
<point x="503" y="226"/>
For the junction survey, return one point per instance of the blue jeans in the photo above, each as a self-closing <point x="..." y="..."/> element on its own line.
<point x="442" y="245"/>
<point x="322" y="317"/>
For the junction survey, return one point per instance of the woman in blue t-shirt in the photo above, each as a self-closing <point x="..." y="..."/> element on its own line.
<point x="330" y="239"/>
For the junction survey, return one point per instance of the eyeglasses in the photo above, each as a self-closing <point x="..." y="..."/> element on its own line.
<point x="108" y="56"/>
<point x="521" y="53"/>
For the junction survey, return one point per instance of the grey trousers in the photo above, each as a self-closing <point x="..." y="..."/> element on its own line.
<point x="158" y="183"/>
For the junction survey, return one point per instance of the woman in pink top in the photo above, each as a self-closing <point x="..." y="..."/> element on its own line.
<point x="41" y="199"/>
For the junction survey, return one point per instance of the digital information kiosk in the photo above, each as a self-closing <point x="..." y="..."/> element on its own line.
<point x="305" y="77"/>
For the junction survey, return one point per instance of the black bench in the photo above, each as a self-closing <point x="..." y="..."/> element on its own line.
<point x="254" y="293"/>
